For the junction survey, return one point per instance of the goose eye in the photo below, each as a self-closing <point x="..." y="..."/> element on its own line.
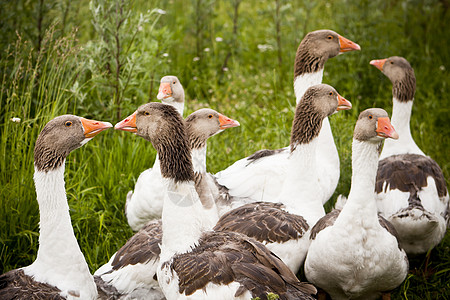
<point x="210" y="116"/>
<point x="370" y="117"/>
<point x="330" y="93"/>
<point x="68" y="124"/>
<point x="146" y="113"/>
<point x="174" y="82"/>
<point x="391" y="62"/>
<point x="330" y="37"/>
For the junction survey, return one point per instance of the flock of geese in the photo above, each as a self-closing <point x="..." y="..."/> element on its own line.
<point x="247" y="230"/>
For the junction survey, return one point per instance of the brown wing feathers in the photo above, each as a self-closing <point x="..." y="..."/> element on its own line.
<point x="265" y="222"/>
<point x="16" y="285"/>
<point x="224" y="257"/>
<point x="409" y="173"/>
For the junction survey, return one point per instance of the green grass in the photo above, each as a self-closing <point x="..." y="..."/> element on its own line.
<point x="255" y="90"/>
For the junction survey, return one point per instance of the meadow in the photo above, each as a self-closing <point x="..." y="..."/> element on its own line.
<point x="101" y="59"/>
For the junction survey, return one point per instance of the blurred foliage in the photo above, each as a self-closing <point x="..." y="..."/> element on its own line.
<point x="103" y="58"/>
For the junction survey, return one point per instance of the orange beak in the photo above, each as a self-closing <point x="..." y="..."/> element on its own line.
<point x="343" y="104"/>
<point x="385" y="128"/>
<point x="347" y="45"/>
<point x="165" y="91"/>
<point x="379" y="63"/>
<point x="128" y="124"/>
<point x="92" y="127"/>
<point x="226" y="122"/>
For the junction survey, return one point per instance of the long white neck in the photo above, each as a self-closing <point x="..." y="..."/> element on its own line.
<point x="401" y="116"/>
<point x="179" y="106"/>
<point x="327" y="149"/>
<point x="207" y="196"/>
<point x="300" y="194"/>
<point x="361" y="199"/>
<point x="305" y="81"/>
<point x="59" y="261"/>
<point x="183" y="218"/>
<point x="199" y="159"/>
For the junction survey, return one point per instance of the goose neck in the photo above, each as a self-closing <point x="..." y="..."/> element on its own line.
<point x="364" y="172"/>
<point x="304" y="81"/>
<point x="59" y="254"/>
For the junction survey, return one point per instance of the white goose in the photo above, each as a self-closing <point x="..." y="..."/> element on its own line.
<point x="284" y="227"/>
<point x="130" y="273"/>
<point x="60" y="270"/>
<point x="146" y="202"/>
<point x="411" y="190"/>
<point x="354" y="254"/>
<point x="196" y="263"/>
<point x="260" y="176"/>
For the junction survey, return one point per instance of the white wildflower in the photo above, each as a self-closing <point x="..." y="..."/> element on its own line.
<point x="160" y="11"/>
<point x="442" y="68"/>
<point x="219" y="39"/>
<point x="15" y="120"/>
<point x="225" y="69"/>
<point x="196" y="58"/>
<point x="264" y="47"/>
<point x="165" y="54"/>
<point x="206" y="49"/>
<point x="194" y="78"/>
<point x="210" y="91"/>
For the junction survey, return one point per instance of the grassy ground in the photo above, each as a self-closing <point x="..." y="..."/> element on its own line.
<point x="255" y="88"/>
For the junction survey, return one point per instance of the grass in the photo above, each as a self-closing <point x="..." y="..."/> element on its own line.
<point x="38" y="86"/>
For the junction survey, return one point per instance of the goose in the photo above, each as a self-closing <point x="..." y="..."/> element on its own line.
<point x="60" y="270"/>
<point x="410" y="190"/>
<point x="260" y="176"/>
<point x="354" y="253"/>
<point x="196" y="263"/>
<point x="284" y="226"/>
<point x="131" y="270"/>
<point x="145" y="202"/>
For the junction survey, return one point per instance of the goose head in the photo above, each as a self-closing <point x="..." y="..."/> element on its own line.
<point x="400" y="73"/>
<point x="164" y="127"/>
<point x="170" y="90"/>
<point x="327" y="44"/>
<point x="373" y="126"/>
<point x="325" y="100"/>
<point x="62" y="135"/>
<point x="204" y="123"/>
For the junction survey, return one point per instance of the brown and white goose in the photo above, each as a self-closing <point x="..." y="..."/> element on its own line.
<point x="131" y="270"/>
<point x="146" y="201"/>
<point x="354" y="253"/>
<point x="411" y="191"/>
<point x="260" y="176"/>
<point x="60" y="270"/>
<point x="196" y="263"/>
<point x="284" y="227"/>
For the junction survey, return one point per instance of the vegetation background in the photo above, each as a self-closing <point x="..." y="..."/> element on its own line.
<point x="101" y="59"/>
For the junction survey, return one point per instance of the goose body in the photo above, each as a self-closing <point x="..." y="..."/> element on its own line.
<point x="196" y="263"/>
<point x="260" y="176"/>
<point x="354" y="254"/>
<point x="60" y="270"/>
<point x="284" y="226"/>
<point x="146" y="201"/>
<point x="131" y="271"/>
<point x="410" y="190"/>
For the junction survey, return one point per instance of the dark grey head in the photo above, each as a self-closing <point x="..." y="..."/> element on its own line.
<point x="164" y="127"/>
<point x="401" y="74"/>
<point x="373" y="125"/>
<point x="318" y="102"/>
<point x="317" y="47"/>
<point x="204" y="123"/>
<point x="170" y="90"/>
<point x="62" y="135"/>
